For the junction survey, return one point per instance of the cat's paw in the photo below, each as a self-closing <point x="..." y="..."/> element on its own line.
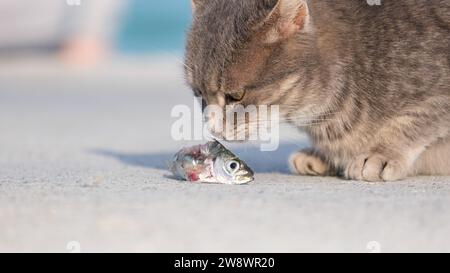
<point x="376" y="167"/>
<point x="307" y="163"/>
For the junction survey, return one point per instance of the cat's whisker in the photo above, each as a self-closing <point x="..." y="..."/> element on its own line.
<point x="306" y="117"/>
<point x="280" y="121"/>
<point x="185" y="65"/>
<point x="179" y="60"/>
<point x="302" y="113"/>
<point x="311" y="120"/>
<point x="293" y="141"/>
<point x="256" y="128"/>
<point x="312" y="115"/>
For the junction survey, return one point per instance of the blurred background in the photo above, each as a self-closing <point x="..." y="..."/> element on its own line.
<point x="90" y="62"/>
<point x="84" y="31"/>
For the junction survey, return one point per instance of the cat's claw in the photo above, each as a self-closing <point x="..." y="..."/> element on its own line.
<point x="374" y="168"/>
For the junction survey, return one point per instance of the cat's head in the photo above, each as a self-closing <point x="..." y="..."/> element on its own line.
<point x="247" y="53"/>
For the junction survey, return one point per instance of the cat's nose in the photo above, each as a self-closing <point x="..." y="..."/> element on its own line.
<point x="215" y="133"/>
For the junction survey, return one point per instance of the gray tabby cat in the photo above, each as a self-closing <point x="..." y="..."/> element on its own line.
<point x="371" y="82"/>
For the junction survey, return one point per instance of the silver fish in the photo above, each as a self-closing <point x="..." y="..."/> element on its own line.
<point x="210" y="163"/>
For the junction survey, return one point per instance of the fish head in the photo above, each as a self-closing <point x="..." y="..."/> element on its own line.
<point x="228" y="168"/>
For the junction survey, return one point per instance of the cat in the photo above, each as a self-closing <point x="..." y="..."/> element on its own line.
<point x="369" y="83"/>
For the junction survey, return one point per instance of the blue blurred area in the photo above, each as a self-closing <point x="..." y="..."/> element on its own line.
<point x="155" y="26"/>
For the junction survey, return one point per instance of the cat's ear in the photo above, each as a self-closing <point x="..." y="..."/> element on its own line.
<point x="196" y="4"/>
<point x="286" y="19"/>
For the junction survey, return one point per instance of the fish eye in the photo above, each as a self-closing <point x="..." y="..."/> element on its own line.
<point x="232" y="166"/>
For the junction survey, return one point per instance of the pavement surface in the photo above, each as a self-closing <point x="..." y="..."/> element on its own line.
<point x="83" y="168"/>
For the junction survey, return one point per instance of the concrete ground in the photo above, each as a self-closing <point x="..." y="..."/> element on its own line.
<point x="83" y="167"/>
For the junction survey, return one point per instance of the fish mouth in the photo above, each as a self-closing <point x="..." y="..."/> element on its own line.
<point x="245" y="179"/>
<point x="244" y="176"/>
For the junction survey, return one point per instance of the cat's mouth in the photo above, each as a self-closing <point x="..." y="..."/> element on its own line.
<point x="238" y="124"/>
<point x="231" y="134"/>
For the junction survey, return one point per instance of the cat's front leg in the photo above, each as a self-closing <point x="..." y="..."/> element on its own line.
<point x="396" y="147"/>
<point x="310" y="162"/>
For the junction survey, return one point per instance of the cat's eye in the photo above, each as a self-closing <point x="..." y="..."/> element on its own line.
<point x="237" y="95"/>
